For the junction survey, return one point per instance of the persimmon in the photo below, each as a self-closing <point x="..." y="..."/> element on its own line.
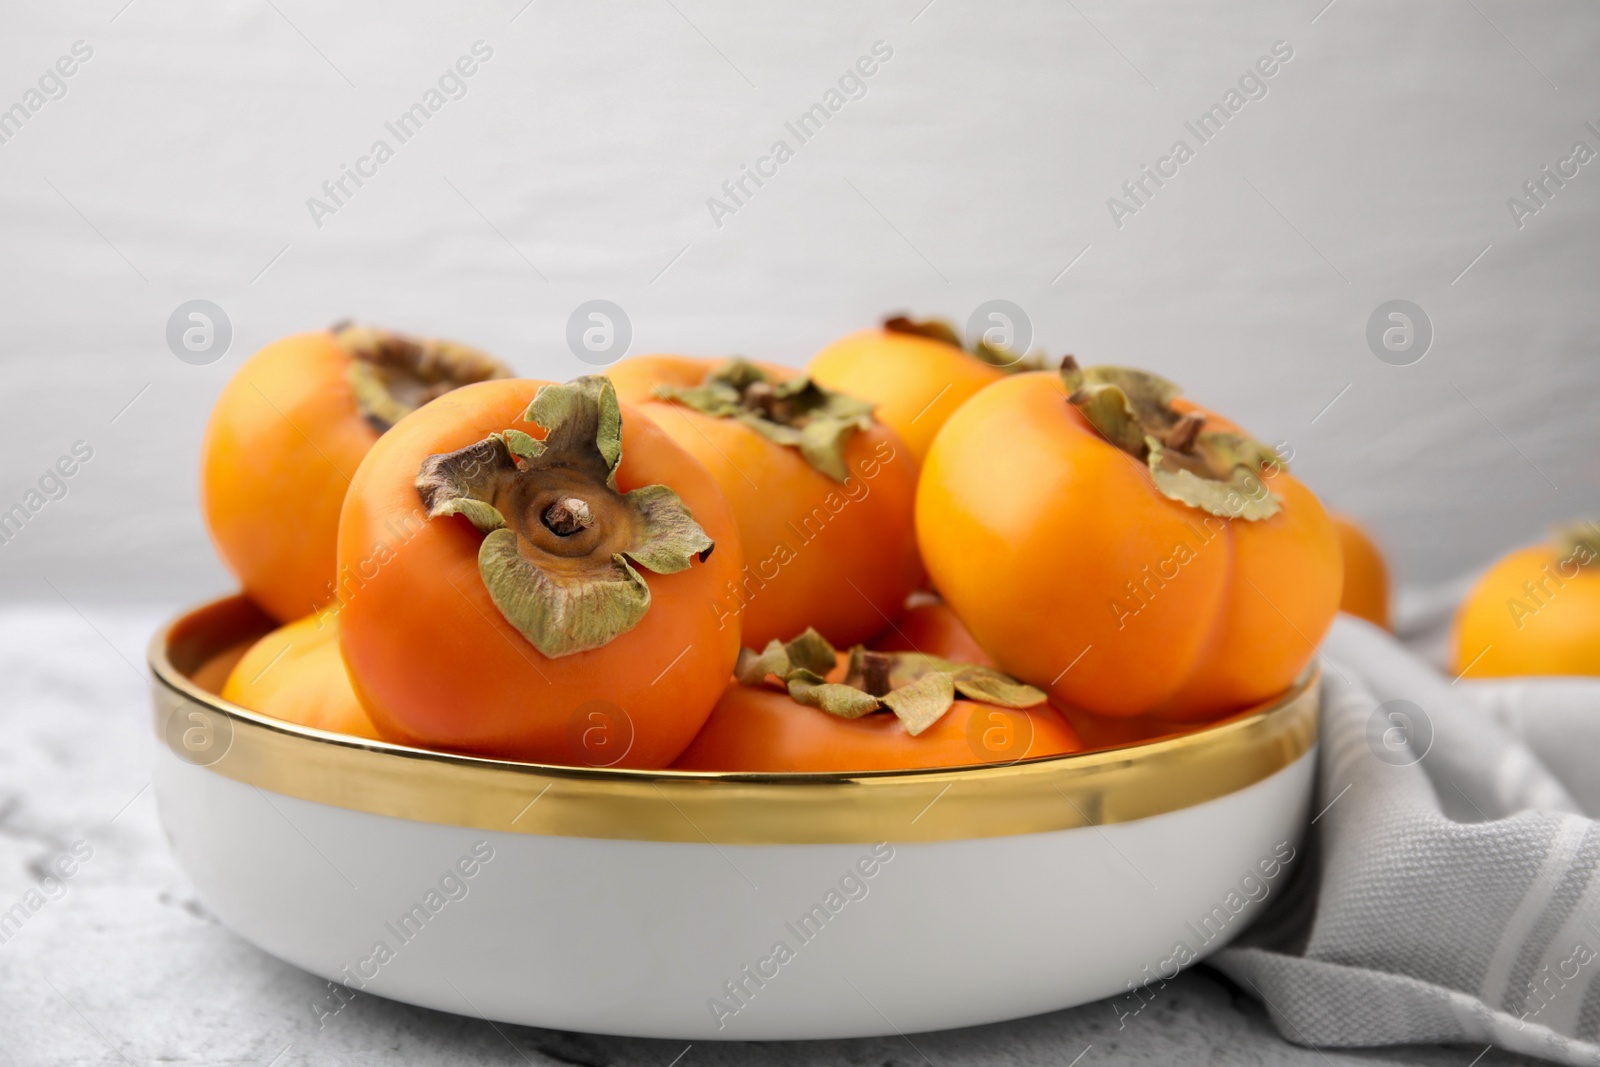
<point x="1537" y="611"/>
<point x="916" y="373"/>
<point x="821" y="490"/>
<point x="296" y="673"/>
<point x="1125" y="549"/>
<point x="801" y="706"/>
<point x="1366" y="578"/>
<point x="524" y="573"/>
<point x="285" y="438"/>
<point x="928" y="625"/>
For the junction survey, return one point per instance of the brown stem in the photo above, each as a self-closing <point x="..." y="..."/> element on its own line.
<point x="763" y="399"/>
<point x="875" y="667"/>
<point x="1185" y="432"/>
<point x="568" y="516"/>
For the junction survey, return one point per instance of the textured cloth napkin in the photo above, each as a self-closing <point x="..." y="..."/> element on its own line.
<point x="1450" y="891"/>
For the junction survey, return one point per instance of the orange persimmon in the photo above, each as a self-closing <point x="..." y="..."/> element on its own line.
<point x="1537" y="611"/>
<point x="295" y="673"/>
<point x="284" y="440"/>
<point x="525" y="570"/>
<point x="788" y="710"/>
<point x="1127" y="550"/>
<point x="916" y="374"/>
<point x="1366" y="578"/>
<point x="930" y="626"/>
<point x="821" y="490"/>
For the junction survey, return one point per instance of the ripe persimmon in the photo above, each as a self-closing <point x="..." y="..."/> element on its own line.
<point x="525" y="570"/>
<point x="915" y="373"/>
<point x="928" y="625"/>
<point x="1366" y="578"/>
<point x="1537" y="611"/>
<point x="295" y="673"/>
<point x="285" y="438"/>
<point x="801" y="706"/>
<point x="1127" y="550"/>
<point x="822" y="492"/>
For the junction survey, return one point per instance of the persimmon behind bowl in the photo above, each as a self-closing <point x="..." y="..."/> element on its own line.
<point x="703" y="906"/>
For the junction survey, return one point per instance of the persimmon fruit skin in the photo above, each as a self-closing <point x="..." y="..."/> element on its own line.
<point x="916" y="382"/>
<point x="436" y="664"/>
<point x="762" y="729"/>
<point x="296" y="673"/>
<point x="1366" y="577"/>
<point x="932" y="628"/>
<point x="841" y="558"/>
<point x="1061" y="557"/>
<point x="281" y="446"/>
<point x="1504" y="629"/>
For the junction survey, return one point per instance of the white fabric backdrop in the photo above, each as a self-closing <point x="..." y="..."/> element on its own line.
<point x="977" y="165"/>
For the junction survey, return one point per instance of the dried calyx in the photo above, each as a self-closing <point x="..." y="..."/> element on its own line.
<point x="393" y="375"/>
<point x="918" y="688"/>
<point x="1578" y="541"/>
<point x="1217" y="471"/>
<point x="995" y="355"/>
<point x="796" y="412"/>
<point x="561" y="541"/>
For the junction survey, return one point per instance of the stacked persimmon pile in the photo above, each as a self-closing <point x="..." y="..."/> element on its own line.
<point x="911" y="554"/>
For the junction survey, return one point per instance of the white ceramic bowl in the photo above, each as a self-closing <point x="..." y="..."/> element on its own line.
<point x="704" y="906"/>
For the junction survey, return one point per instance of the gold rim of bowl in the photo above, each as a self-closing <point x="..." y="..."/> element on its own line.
<point x="1095" y="788"/>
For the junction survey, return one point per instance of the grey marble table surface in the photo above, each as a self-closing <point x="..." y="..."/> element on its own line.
<point x="122" y="964"/>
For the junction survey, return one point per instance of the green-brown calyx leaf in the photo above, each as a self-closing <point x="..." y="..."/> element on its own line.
<point x="1578" y="542"/>
<point x="917" y="688"/>
<point x="835" y="699"/>
<point x="933" y="329"/>
<point x="997" y="356"/>
<point x="796" y="412"/>
<point x="808" y="652"/>
<point x="922" y="703"/>
<point x="393" y="375"/>
<point x="1215" y="470"/>
<point x="561" y="542"/>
